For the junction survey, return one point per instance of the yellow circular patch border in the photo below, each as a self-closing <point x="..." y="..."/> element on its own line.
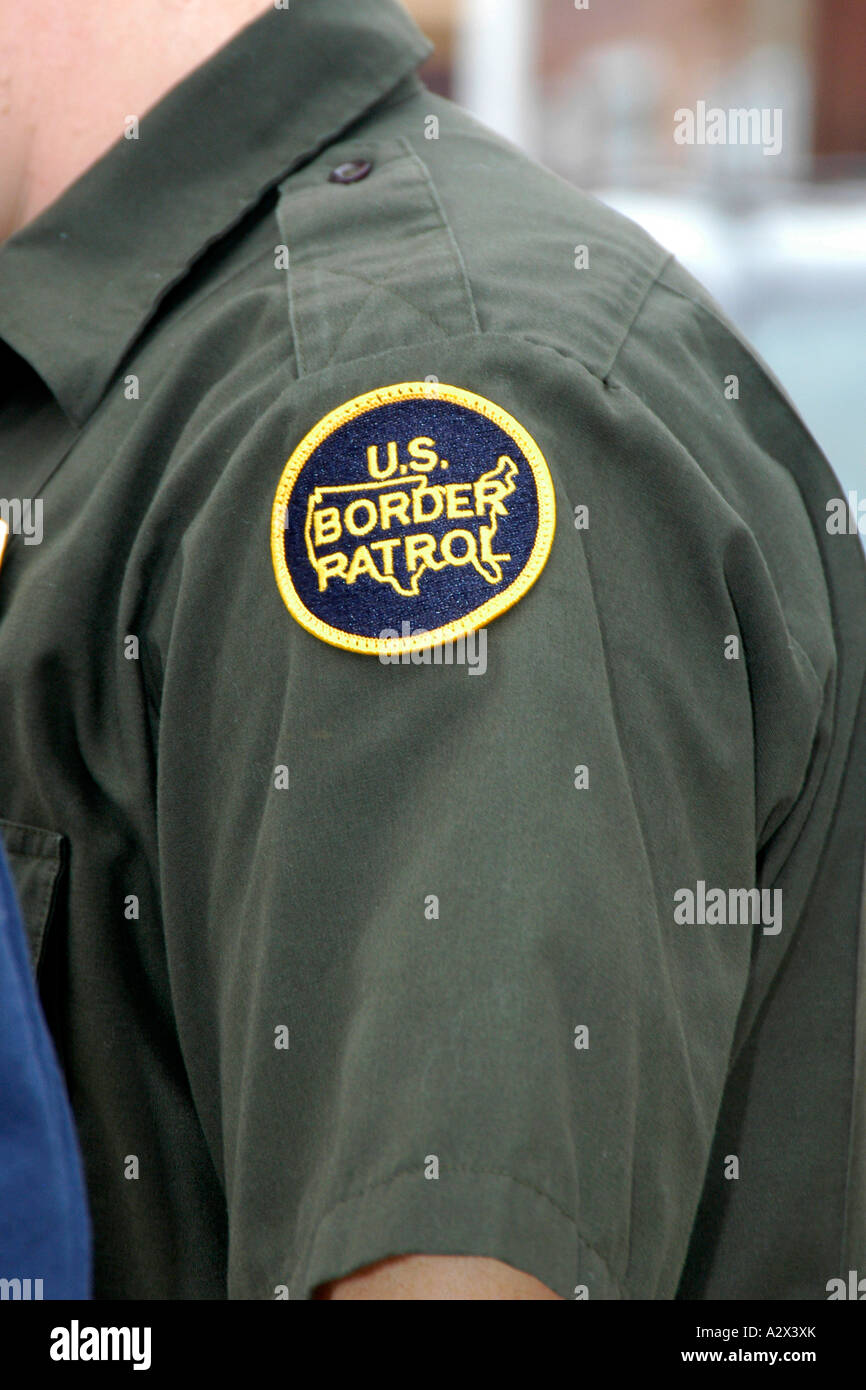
<point x="360" y="405"/>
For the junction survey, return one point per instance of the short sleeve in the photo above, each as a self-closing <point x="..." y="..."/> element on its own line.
<point x="422" y="921"/>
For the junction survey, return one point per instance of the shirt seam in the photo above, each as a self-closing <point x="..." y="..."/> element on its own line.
<point x="849" y="1206"/>
<point x="706" y="310"/>
<point x="405" y="152"/>
<point x="638" y="310"/>
<point x="473" y="1172"/>
<point x="449" y="230"/>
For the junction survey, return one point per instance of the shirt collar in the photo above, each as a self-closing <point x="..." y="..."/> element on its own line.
<point x="79" y="282"/>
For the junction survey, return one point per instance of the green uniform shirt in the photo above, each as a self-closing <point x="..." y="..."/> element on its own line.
<point x="348" y="957"/>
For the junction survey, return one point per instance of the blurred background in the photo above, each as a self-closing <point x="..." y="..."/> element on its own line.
<point x="630" y="99"/>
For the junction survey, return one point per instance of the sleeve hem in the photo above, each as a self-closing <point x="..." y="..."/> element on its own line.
<point x="463" y="1212"/>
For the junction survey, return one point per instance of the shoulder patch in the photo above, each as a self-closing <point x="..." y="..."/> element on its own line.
<point x="410" y="516"/>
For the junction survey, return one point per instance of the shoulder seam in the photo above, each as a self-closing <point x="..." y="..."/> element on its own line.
<point x="636" y="315"/>
<point x="734" y="334"/>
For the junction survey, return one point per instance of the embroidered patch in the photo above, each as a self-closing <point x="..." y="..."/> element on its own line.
<point x="410" y="516"/>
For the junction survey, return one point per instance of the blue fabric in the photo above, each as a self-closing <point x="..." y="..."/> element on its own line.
<point x="44" y="1223"/>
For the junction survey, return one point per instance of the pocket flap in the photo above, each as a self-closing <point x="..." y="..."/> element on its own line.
<point x="35" y="858"/>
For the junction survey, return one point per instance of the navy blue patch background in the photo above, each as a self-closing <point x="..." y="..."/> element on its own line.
<point x="472" y="444"/>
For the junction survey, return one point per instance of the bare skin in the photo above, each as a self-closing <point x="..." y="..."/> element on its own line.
<point x="426" y="1277"/>
<point x="70" y="75"/>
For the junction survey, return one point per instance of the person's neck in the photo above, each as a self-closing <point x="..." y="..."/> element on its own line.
<point x="73" y="75"/>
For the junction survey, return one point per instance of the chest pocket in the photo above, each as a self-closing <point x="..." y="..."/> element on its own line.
<point x="36" y="858"/>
